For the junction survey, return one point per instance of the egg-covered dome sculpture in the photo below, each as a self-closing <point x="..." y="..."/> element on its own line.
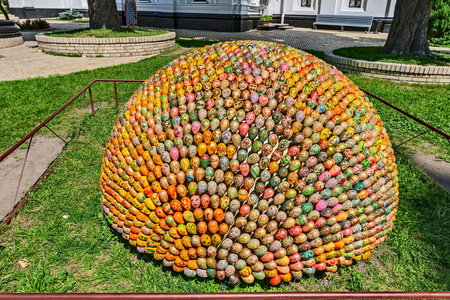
<point x="250" y="160"/>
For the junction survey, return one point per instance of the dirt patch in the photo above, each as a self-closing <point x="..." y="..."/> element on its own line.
<point x="43" y="151"/>
<point x="87" y="108"/>
<point x="25" y="223"/>
<point x="176" y="52"/>
<point x="437" y="170"/>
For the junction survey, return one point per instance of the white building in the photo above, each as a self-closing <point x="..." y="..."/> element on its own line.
<point x="27" y="9"/>
<point x="219" y="15"/>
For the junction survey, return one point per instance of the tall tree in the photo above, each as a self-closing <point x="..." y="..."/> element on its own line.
<point x="408" y="33"/>
<point x="103" y="13"/>
<point x="3" y="11"/>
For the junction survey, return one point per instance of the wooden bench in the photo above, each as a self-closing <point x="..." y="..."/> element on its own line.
<point x="344" y="20"/>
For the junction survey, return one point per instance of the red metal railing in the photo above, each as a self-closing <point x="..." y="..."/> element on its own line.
<point x="244" y="296"/>
<point x="88" y="88"/>
<point x="30" y="135"/>
<point x="432" y="128"/>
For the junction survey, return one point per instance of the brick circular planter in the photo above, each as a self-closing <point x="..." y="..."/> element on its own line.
<point x="107" y="47"/>
<point x="9" y="34"/>
<point x="391" y="71"/>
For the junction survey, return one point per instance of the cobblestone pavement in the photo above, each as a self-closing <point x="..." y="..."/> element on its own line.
<point x="26" y="61"/>
<point x="303" y="38"/>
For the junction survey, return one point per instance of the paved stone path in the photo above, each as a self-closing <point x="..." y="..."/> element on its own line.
<point x="302" y="38"/>
<point x="44" y="150"/>
<point x="27" y="61"/>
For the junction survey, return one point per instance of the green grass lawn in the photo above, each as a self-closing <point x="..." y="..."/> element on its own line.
<point x="82" y="20"/>
<point x="373" y="54"/>
<point x="81" y="253"/>
<point x="430" y="103"/>
<point x="193" y="43"/>
<point x="20" y="114"/>
<point x="107" y="33"/>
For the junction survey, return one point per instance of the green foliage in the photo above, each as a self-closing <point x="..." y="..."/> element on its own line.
<point x="5" y="5"/>
<point x="107" y="33"/>
<point x="33" y="24"/>
<point x="70" y="15"/>
<point x="373" y="54"/>
<point x="439" y="21"/>
<point x="193" y="43"/>
<point x="41" y="280"/>
<point x="440" y="41"/>
<point x="319" y="54"/>
<point x="266" y="18"/>
<point x="62" y="54"/>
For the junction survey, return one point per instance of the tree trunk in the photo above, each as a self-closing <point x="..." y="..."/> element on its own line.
<point x="2" y="9"/>
<point x="408" y="34"/>
<point x="103" y="13"/>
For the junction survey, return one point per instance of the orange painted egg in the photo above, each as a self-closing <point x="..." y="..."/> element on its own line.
<point x="213" y="226"/>
<point x="202" y="228"/>
<point x="205" y="240"/>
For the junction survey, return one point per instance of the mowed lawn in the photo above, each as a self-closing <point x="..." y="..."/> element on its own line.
<point x="60" y="242"/>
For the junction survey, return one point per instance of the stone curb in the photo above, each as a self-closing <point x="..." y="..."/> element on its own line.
<point x="11" y="42"/>
<point x="91" y="47"/>
<point x="392" y="71"/>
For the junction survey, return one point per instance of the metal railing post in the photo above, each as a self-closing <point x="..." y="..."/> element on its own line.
<point x="115" y="93"/>
<point x="92" y="102"/>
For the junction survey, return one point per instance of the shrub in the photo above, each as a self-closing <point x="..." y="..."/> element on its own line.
<point x="439" y="22"/>
<point x="440" y="41"/>
<point x="266" y="18"/>
<point x="32" y="25"/>
<point x="5" y="5"/>
<point x="70" y="15"/>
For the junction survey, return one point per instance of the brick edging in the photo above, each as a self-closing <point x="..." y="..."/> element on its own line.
<point x="391" y="71"/>
<point x="126" y="46"/>
<point x="11" y="42"/>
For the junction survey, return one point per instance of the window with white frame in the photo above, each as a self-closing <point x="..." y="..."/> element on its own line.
<point x="355" y="3"/>
<point x="305" y="3"/>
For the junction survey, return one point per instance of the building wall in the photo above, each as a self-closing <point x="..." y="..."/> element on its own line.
<point x="215" y="15"/>
<point x="25" y="9"/>
<point x="299" y="16"/>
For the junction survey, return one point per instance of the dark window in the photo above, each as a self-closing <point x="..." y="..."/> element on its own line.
<point x="355" y="3"/>
<point x="305" y="3"/>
